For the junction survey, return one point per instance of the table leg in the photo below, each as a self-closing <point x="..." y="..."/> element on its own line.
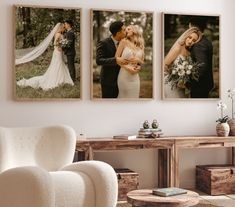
<point x="162" y="168"/>
<point x="176" y="166"/>
<point x="171" y="167"/>
<point x="233" y="155"/>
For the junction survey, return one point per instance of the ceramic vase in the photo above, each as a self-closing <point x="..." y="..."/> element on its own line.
<point x="231" y="123"/>
<point x="222" y="129"/>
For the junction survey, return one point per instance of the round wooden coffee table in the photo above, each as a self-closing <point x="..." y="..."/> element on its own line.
<point x="145" y="198"/>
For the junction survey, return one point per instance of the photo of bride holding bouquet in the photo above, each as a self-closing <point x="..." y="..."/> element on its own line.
<point x="191" y="57"/>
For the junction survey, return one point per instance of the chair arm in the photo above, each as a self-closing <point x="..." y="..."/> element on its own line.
<point x="104" y="179"/>
<point x="27" y="187"/>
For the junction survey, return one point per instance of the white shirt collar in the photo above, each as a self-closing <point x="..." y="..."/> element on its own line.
<point x="115" y="41"/>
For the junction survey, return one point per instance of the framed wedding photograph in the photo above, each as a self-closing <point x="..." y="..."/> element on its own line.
<point x="46" y="53"/>
<point x="121" y="55"/>
<point x="191" y="56"/>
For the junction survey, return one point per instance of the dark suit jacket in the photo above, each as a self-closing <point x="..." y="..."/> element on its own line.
<point x="70" y="50"/>
<point x="202" y="53"/>
<point x="105" y="56"/>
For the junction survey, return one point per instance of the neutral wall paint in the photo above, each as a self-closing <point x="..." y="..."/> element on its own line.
<point x="106" y="118"/>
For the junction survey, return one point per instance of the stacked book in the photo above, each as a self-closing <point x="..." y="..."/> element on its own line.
<point x="149" y="133"/>
<point x="125" y="136"/>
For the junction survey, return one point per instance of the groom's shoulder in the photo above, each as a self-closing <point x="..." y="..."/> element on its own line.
<point x="106" y="41"/>
<point x="204" y="42"/>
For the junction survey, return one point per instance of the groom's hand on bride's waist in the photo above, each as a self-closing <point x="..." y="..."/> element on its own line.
<point x="122" y="61"/>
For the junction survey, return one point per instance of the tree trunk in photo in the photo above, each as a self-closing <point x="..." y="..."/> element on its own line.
<point x="27" y="38"/>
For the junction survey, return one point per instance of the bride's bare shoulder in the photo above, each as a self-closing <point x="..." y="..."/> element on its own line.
<point x="124" y="41"/>
<point x="57" y="35"/>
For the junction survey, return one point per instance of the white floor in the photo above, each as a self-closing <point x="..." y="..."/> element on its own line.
<point x="221" y="201"/>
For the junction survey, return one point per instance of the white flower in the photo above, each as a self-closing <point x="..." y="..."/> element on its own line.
<point x="174" y="72"/>
<point x="190" y="67"/>
<point x="180" y="67"/>
<point x="188" y="72"/>
<point x="184" y="63"/>
<point x="221" y="106"/>
<point x="181" y="72"/>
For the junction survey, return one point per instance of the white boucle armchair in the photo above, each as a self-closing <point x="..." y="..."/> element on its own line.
<point x="36" y="170"/>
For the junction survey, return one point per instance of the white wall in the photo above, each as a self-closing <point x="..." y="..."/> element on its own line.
<point x="106" y="118"/>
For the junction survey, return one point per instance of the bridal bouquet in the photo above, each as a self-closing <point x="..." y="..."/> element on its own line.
<point x="182" y="72"/>
<point x="64" y="43"/>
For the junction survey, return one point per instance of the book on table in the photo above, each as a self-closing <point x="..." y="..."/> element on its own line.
<point x="125" y="136"/>
<point x="169" y="191"/>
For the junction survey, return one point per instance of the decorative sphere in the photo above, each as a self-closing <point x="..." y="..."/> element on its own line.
<point x="155" y="124"/>
<point x="146" y="124"/>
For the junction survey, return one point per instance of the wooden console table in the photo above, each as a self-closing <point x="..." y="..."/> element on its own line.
<point x="168" y="151"/>
<point x="199" y="142"/>
<point x="86" y="149"/>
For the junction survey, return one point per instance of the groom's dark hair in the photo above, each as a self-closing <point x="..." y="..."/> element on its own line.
<point x="199" y="22"/>
<point x="68" y="21"/>
<point x="115" y="27"/>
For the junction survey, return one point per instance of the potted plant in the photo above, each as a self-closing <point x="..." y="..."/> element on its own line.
<point x="231" y="122"/>
<point x="222" y="128"/>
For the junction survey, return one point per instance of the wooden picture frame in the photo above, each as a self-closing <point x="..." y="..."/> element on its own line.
<point x="117" y="89"/>
<point x="190" y="57"/>
<point x="47" y="63"/>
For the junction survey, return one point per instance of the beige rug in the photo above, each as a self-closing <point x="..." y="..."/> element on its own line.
<point x="198" y="205"/>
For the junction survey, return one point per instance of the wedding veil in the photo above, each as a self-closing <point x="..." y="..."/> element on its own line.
<point x="29" y="54"/>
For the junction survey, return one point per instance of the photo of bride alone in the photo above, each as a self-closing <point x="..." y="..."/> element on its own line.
<point x="47" y="63"/>
<point x="191" y="57"/>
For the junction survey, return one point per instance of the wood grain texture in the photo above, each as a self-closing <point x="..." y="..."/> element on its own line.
<point x="128" y="180"/>
<point x="215" y="179"/>
<point x="168" y="157"/>
<point x="145" y="197"/>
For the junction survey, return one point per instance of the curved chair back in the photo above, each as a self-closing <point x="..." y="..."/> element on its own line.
<point x="49" y="147"/>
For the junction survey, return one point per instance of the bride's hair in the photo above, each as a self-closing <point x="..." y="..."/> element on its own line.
<point x="188" y="32"/>
<point x="180" y="42"/>
<point x="61" y="27"/>
<point x="138" y="39"/>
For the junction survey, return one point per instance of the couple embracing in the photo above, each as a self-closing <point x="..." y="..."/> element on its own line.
<point x="121" y="56"/>
<point x="58" y="72"/>
<point x="188" y="64"/>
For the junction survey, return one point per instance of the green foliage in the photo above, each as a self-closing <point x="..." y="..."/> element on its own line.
<point x="223" y="119"/>
<point x="63" y="91"/>
<point x="32" y="69"/>
<point x="33" y="26"/>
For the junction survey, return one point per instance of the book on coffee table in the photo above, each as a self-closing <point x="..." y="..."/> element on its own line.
<point x="168" y="191"/>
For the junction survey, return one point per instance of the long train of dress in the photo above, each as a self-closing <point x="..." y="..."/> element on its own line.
<point x="56" y="74"/>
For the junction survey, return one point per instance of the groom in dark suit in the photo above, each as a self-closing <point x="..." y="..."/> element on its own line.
<point x="105" y="56"/>
<point x="69" y="51"/>
<point x="202" y="52"/>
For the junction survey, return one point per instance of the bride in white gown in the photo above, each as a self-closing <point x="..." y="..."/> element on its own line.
<point x="132" y="49"/>
<point x="179" y="52"/>
<point x="57" y="72"/>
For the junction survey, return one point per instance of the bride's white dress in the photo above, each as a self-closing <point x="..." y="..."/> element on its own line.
<point x="175" y="92"/>
<point x="129" y="84"/>
<point x="56" y="74"/>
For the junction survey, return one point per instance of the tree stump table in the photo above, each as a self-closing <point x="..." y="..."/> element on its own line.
<point x="145" y="198"/>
